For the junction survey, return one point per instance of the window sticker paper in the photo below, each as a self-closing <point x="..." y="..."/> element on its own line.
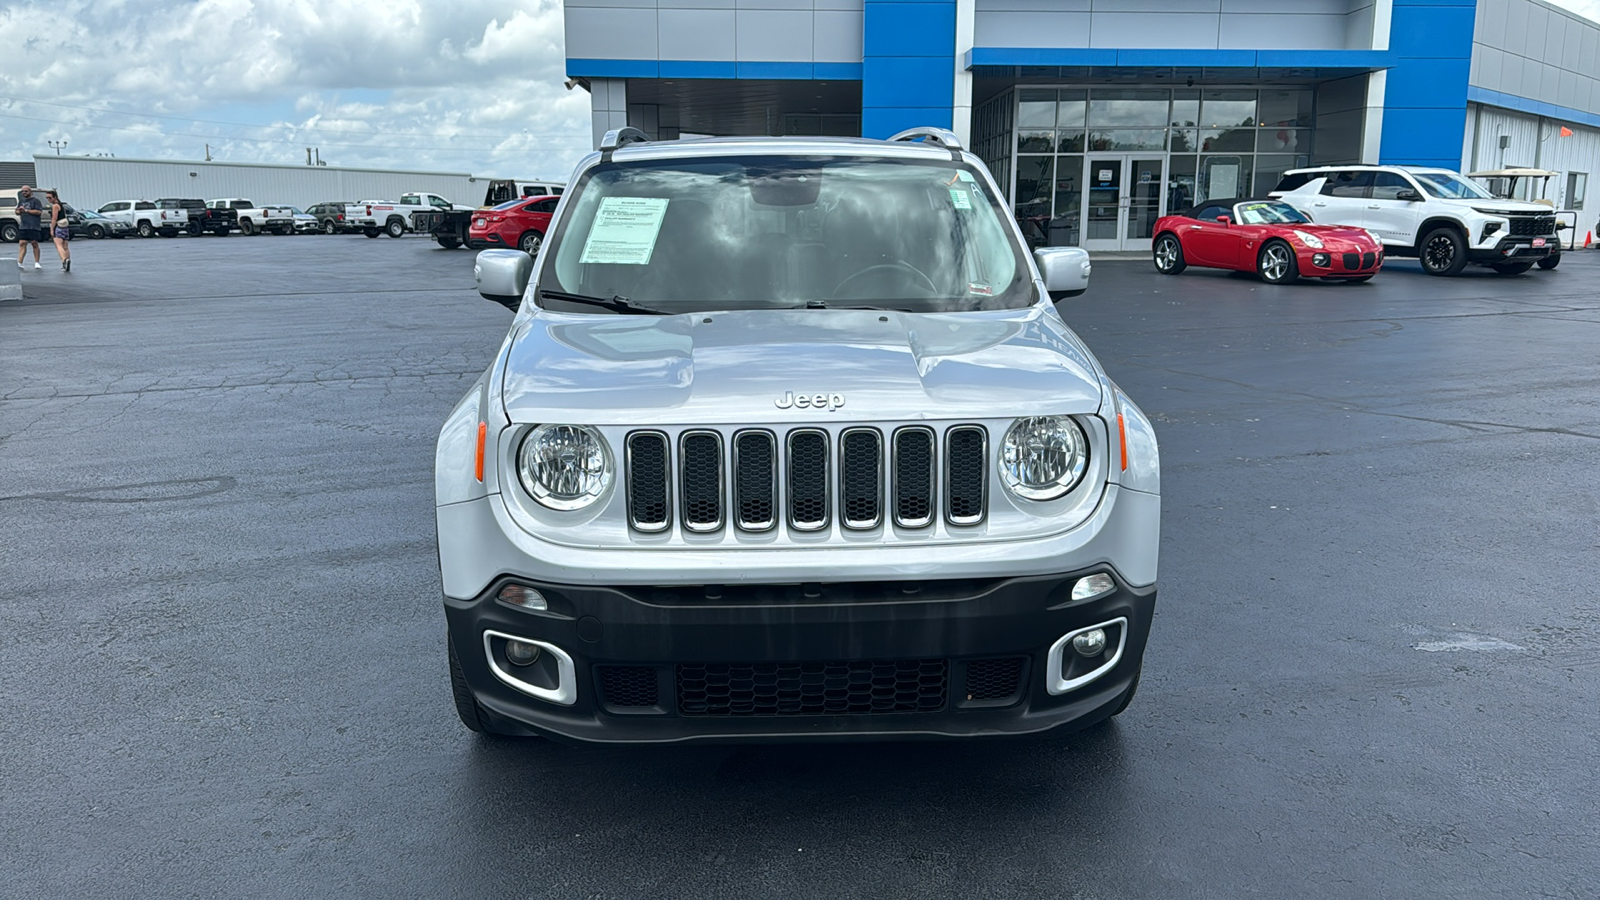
<point x="624" y="231"/>
<point x="958" y="196"/>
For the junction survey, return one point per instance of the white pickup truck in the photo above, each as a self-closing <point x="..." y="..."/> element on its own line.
<point x="145" y="217"/>
<point x="254" y="219"/>
<point x="393" y="217"/>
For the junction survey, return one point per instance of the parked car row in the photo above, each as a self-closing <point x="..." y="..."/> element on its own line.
<point x="1340" y="222"/>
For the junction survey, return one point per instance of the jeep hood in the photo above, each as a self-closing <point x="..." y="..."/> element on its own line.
<point x="736" y="367"/>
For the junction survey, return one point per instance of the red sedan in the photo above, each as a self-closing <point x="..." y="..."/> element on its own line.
<point x="1268" y="237"/>
<point x="519" y="223"/>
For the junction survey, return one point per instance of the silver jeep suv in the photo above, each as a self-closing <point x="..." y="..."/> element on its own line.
<point x="787" y="441"/>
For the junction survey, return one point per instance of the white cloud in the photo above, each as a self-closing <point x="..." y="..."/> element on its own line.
<point x="1587" y="8"/>
<point x="462" y="86"/>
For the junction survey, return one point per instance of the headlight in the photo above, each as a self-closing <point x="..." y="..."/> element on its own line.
<point x="1373" y="237"/>
<point x="1044" y="457"/>
<point x="564" y="466"/>
<point x="1309" y="239"/>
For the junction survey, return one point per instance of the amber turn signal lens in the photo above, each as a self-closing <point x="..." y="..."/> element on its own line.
<point x="483" y="437"/>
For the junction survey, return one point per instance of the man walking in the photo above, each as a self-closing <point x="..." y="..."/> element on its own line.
<point x="29" y="209"/>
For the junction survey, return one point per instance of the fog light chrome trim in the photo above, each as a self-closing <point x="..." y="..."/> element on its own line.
<point x="565" y="693"/>
<point x="1057" y="685"/>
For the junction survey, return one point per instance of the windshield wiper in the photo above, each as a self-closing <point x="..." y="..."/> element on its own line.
<point x="823" y="304"/>
<point x="616" y="302"/>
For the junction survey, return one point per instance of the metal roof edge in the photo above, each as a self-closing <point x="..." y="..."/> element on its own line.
<point x="248" y="165"/>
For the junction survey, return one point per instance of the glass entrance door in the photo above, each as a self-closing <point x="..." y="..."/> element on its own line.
<point x="1125" y="199"/>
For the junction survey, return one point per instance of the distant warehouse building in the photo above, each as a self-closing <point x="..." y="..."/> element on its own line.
<point x="1099" y="116"/>
<point x="89" y="182"/>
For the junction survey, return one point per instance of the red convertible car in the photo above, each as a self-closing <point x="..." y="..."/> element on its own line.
<point x="519" y="223"/>
<point x="1268" y="237"/>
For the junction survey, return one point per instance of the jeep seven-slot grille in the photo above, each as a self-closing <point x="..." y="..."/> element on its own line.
<point x="854" y="687"/>
<point x="803" y="476"/>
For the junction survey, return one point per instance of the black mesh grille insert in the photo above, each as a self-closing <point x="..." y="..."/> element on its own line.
<point x="965" y="458"/>
<point x="1367" y="259"/>
<point x="648" y="500"/>
<point x="913" y="477"/>
<point x="808" y="480"/>
<point x="630" y="686"/>
<point x="755" y="488"/>
<point x="702" y="481"/>
<point x="1352" y="261"/>
<point x="859" y="472"/>
<point x="993" y="679"/>
<point x="1533" y="225"/>
<point x="858" y="687"/>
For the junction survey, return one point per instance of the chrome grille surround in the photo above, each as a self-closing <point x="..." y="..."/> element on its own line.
<point x="755" y="479"/>
<point x="702" y="496"/>
<point x="966" y="500"/>
<point x="806" y="465"/>
<point x="642" y="498"/>
<point x="915" y="482"/>
<point x="860" y="478"/>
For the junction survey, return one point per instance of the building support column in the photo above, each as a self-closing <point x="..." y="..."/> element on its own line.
<point x="907" y="76"/>
<point x="608" y="105"/>
<point x="961" y="104"/>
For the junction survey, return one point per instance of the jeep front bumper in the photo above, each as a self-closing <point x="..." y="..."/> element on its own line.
<point x="841" y="661"/>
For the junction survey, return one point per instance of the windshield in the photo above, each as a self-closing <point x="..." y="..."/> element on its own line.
<point x="766" y="231"/>
<point x="1269" y="214"/>
<point x="1450" y="187"/>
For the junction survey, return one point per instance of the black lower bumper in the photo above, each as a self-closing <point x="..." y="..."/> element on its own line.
<point x="856" y="661"/>
<point x="1516" y="249"/>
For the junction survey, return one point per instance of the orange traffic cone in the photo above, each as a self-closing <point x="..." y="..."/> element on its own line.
<point x="1588" y="239"/>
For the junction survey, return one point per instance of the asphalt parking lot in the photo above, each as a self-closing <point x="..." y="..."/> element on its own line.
<point x="1373" y="670"/>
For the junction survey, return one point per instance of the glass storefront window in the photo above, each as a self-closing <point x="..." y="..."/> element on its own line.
<point x="1035" y="183"/>
<point x="1181" y="183"/>
<point x="1036" y="121"/>
<point x="1270" y="139"/>
<point x="1186" y="108"/>
<point x="1127" y="139"/>
<point x="1126" y="108"/>
<point x="1270" y="169"/>
<point x="1223" y="177"/>
<point x="1184" y="140"/>
<point x="1064" y="221"/>
<point x="1070" y="120"/>
<point x="1233" y="140"/>
<point x="1286" y="109"/>
<point x="1226" y="109"/>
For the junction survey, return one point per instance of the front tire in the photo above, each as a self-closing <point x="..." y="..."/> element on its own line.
<point x="329" y="228"/>
<point x="1168" y="255"/>
<point x="530" y="242"/>
<point x="1550" y="262"/>
<point x="1512" y="268"/>
<point x="1276" y="263"/>
<point x="1443" y="252"/>
<point x="96" y="232"/>
<point x="9" y="233"/>
<point x="395" y="228"/>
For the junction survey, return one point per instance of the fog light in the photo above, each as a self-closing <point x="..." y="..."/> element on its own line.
<point x="1090" y="643"/>
<point x="522" y="653"/>
<point x="1320" y="260"/>
<point x="523" y="596"/>
<point x="1093" y="586"/>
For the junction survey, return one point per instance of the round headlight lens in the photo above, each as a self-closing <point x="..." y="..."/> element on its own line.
<point x="564" y="466"/>
<point x="1044" y="457"/>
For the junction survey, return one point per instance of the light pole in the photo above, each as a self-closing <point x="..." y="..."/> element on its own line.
<point x="58" y="145"/>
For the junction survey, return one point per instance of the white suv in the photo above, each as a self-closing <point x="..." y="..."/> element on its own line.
<point x="1442" y="217"/>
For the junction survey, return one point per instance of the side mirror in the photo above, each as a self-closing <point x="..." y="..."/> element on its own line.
<point x="1224" y="221"/>
<point x="502" y="276"/>
<point x="1065" y="270"/>
<point x="1408" y="196"/>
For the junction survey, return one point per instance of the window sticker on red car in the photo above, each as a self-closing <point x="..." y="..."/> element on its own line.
<point x="624" y="231"/>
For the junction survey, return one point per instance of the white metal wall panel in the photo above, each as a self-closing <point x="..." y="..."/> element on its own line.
<point x="1177" y="24"/>
<point x="92" y="182"/>
<point x="1530" y="49"/>
<point x="715" y="30"/>
<point x="1537" y="143"/>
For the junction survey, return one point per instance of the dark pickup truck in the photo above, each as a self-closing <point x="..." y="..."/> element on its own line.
<point x="201" y="218"/>
<point x="449" y="226"/>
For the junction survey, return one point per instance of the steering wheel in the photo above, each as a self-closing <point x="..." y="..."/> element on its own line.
<point x="906" y="272"/>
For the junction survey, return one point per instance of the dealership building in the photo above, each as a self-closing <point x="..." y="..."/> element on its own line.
<point x="1098" y="116"/>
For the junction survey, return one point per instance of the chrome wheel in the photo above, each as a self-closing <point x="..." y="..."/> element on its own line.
<point x="531" y="242"/>
<point x="1166" y="254"/>
<point x="1275" y="262"/>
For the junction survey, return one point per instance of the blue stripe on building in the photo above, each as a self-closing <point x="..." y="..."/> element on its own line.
<point x="907" y="65"/>
<point x="1425" y="98"/>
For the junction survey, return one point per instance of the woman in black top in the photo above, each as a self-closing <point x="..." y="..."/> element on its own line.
<point x="59" y="231"/>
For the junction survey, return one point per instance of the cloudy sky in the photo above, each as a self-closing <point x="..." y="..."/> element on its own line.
<point x="460" y="86"/>
<point x="420" y="84"/>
